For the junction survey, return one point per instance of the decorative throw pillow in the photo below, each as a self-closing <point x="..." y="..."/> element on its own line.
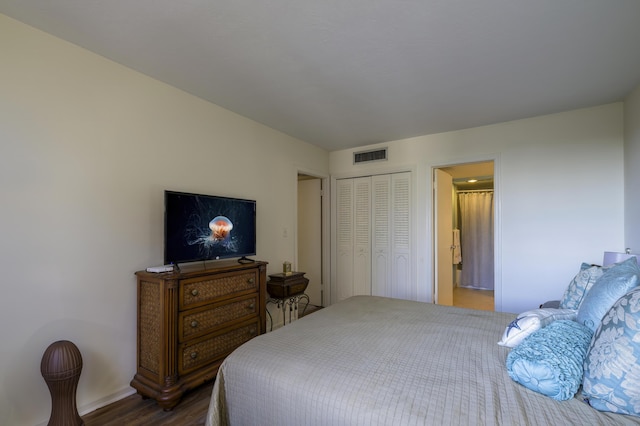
<point x="550" y="361"/>
<point x="612" y="367"/>
<point x="580" y="286"/>
<point x="614" y="283"/>
<point x="530" y="321"/>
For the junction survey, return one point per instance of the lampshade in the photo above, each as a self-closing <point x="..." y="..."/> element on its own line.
<point x="611" y="257"/>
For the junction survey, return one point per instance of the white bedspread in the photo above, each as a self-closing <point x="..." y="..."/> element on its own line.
<point x="377" y="361"/>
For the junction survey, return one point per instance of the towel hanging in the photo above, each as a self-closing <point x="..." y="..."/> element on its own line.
<point x="457" y="253"/>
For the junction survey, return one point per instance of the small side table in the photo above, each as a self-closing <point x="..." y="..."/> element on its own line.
<point x="286" y="291"/>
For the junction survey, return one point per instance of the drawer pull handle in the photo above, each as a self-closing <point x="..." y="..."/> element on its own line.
<point x="194" y="355"/>
<point x="194" y="324"/>
<point x="252" y="331"/>
<point x="251" y="306"/>
<point x="251" y="280"/>
<point x="195" y="292"/>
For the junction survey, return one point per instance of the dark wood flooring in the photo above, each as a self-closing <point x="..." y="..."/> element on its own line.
<point x="135" y="411"/>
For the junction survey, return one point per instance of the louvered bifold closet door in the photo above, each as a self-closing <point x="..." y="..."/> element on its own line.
<point x="362" y="236"/>
<point x="373" y="236"/>
<point x="401" y="241"/>
<point x="381" y="235"/>
<point x="353" y="237"/>
<point x="344" y="239"/>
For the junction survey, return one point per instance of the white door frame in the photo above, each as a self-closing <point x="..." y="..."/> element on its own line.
<point x="497" y="231"/>
<point x="326" y="231"/>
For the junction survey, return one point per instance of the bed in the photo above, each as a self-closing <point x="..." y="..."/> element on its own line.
<point x="377" y="361"/>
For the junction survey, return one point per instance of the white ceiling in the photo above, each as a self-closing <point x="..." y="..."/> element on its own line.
<point x="345" y="73"/>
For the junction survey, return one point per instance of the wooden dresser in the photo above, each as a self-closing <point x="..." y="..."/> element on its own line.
<point x="189" y="321"/>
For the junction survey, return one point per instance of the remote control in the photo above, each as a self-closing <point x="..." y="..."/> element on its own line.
<point x="164" y="268"/>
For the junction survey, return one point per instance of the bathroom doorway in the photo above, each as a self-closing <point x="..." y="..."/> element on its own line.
<point x="464" y="264"/>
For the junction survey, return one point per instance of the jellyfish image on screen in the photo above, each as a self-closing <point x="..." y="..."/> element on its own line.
<point x="212" y="237"/>
<point x="219" y="239"/>
<point x="221" y="228"/>
<point x="215" y="229"/>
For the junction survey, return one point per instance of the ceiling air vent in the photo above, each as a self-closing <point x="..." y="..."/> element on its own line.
<point x="366" y="156"/>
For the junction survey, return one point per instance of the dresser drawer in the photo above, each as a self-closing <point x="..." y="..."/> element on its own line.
<point x="201" y="290"/>
<point x="190" y="319"/>
<point x="199" y="321"/>
<point x="205" y="350"/>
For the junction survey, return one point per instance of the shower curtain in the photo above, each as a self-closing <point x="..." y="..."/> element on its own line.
<point x="476" y="234"/>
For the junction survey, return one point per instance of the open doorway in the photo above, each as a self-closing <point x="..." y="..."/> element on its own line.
<point x="464" y="262"/>
<point x="310" y="237"/>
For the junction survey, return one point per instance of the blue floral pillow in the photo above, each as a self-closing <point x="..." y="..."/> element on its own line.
<point x="580" y="285"/>
<point x="614" y="283"/>
<point x="612" y="368"/>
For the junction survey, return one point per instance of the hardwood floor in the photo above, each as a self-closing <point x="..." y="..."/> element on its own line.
<point x="474" y="299"/>
<point x="135" y="411"/>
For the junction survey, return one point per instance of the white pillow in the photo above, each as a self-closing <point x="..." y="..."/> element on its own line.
<point x="530" y="321"/>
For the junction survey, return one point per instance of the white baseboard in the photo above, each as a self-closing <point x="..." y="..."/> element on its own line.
<point x="103" y="402"/>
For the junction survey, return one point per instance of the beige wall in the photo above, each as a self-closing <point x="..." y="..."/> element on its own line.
<point x="87" y="148"/>
<point x="559" y="195"/>
<point x="632" y="170"/>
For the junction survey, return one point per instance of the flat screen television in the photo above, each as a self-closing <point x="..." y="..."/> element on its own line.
<point x="205" y="227"/>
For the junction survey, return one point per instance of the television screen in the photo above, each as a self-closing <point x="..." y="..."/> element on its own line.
<point x="204" y="227"/>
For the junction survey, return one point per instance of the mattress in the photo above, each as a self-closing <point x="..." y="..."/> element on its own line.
<point x="379" y="361"/>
